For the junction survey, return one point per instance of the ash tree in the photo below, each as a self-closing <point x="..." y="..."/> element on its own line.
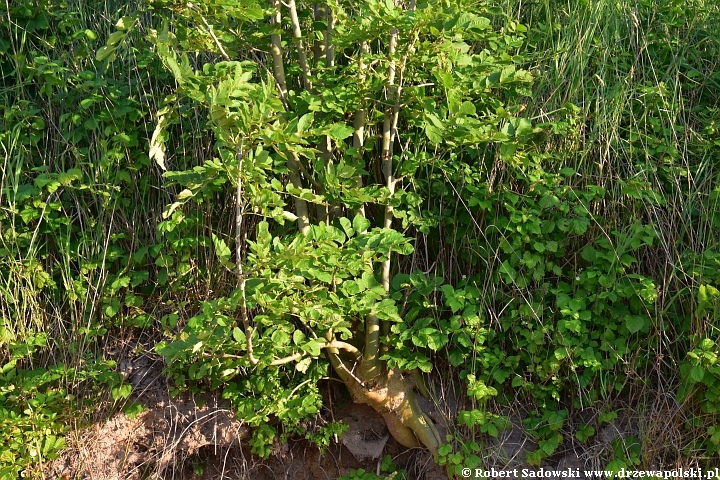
<point x="336" y="127"/>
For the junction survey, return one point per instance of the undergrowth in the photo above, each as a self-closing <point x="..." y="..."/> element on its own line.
<point x="573" y="269"/>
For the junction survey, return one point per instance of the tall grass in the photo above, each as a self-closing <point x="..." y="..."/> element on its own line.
<point x="77" y="197"/>
<point x="644" y="75"/>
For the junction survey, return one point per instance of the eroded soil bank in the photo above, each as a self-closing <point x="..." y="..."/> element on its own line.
<point x="200" y="438"/>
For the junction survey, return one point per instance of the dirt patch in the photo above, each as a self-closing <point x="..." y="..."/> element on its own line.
<point x="366" y="435"/>
<point x="200" y="438"/>
<point x="156" y="441"/>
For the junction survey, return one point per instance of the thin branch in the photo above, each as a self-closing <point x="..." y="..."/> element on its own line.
<point x="390" y="123"/>
<point x="239" y="212"/>
<point x="329" y="47"/>
<point x="387" y="163"/>
<point x="334" y="345"/>
<point x="320" y="50"/>
<point x="387" y="150"/>
<point x="210" y="31"/>
<point x="319" y="13"/>
<point x="370" y="364"/>
<point x="359" y="118"/>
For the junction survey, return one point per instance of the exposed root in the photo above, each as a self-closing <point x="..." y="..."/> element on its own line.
<point x="393" y="396"/>
<point x="404" y="435"/>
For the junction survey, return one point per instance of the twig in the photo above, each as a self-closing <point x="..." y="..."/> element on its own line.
<point x="210" y="31"/>
<point x="239" y="212"/>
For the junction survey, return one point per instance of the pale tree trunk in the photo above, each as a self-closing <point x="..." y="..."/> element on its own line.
<point x="388" y="391"/>
<point x="301" y="209"/>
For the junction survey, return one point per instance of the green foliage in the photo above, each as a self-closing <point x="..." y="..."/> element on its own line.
<point x="554" y="229"/>
<point x="701" y="379"/>
<point x="388" y="471"/>
<point x="307" y="288"/>
<point x="75" y="193"/>
<point x="36" y="409"/>
<point x="456" y="460"/>
<point x="32" y="414"/>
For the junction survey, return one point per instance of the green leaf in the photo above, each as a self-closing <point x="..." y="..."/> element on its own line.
<point x="360" y="224"/>
<point x="705" y="292"/>
<point x="471" y="418"/>
<point x="125" y="23"/>
<point x="157" y="141"/>
<point x="456" y="357"/>
<point x="508" y="271"/>
<point x="239" y="335"/>
<point x="138" y="277"/>
<point x="548" y="446"/>
<point x="470" y="20"/>
<point x="523" y="127"/>
<point x="351" y="287"/>
<point x="584" y="432"/>
<point x="113" y="308"/>
<point x="697" y="373"/>
<point x="491" y="430"/>
<point x="280" y="338"/>
<point x="467" y="108"/>
<point x="133" y="409"/>
<point x="433" y="133"/>
<point x="105" y="53"/>
<point x="579" y="225"/>
<point x="338" y="131"/>
<point x="616" y="465"/>
<point x="635" y="323"/>
<point x="347" y="226"/>
<point x="121" y="392"/>
<point x="223" y="252"/>
<point x="305" y="121"/>
<point x="115" y="38"/>
<point x="263" y="236"/>
<point x="707" y="344"/>
<point x="121" y="281"/>
<point x="607" y="417"/>
<point x="434" y="120"/>
<point x="436" y="340"/>
<point x="303" y="365"/>
<point x="313" y="348"/>
<point x="707" y="295"/>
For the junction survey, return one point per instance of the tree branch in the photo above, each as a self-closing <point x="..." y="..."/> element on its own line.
<point x="334" y="345"/>
<point x="210" y="31"/>
<point x="301" y="210"/>
<point x="373" y="327"/>
<point x="359" y="118"/>
<point x="387" y="150"/>
<point x="239" y="211"/>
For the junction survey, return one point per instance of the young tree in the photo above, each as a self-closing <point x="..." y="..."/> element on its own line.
<point x="343" y="118"/>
